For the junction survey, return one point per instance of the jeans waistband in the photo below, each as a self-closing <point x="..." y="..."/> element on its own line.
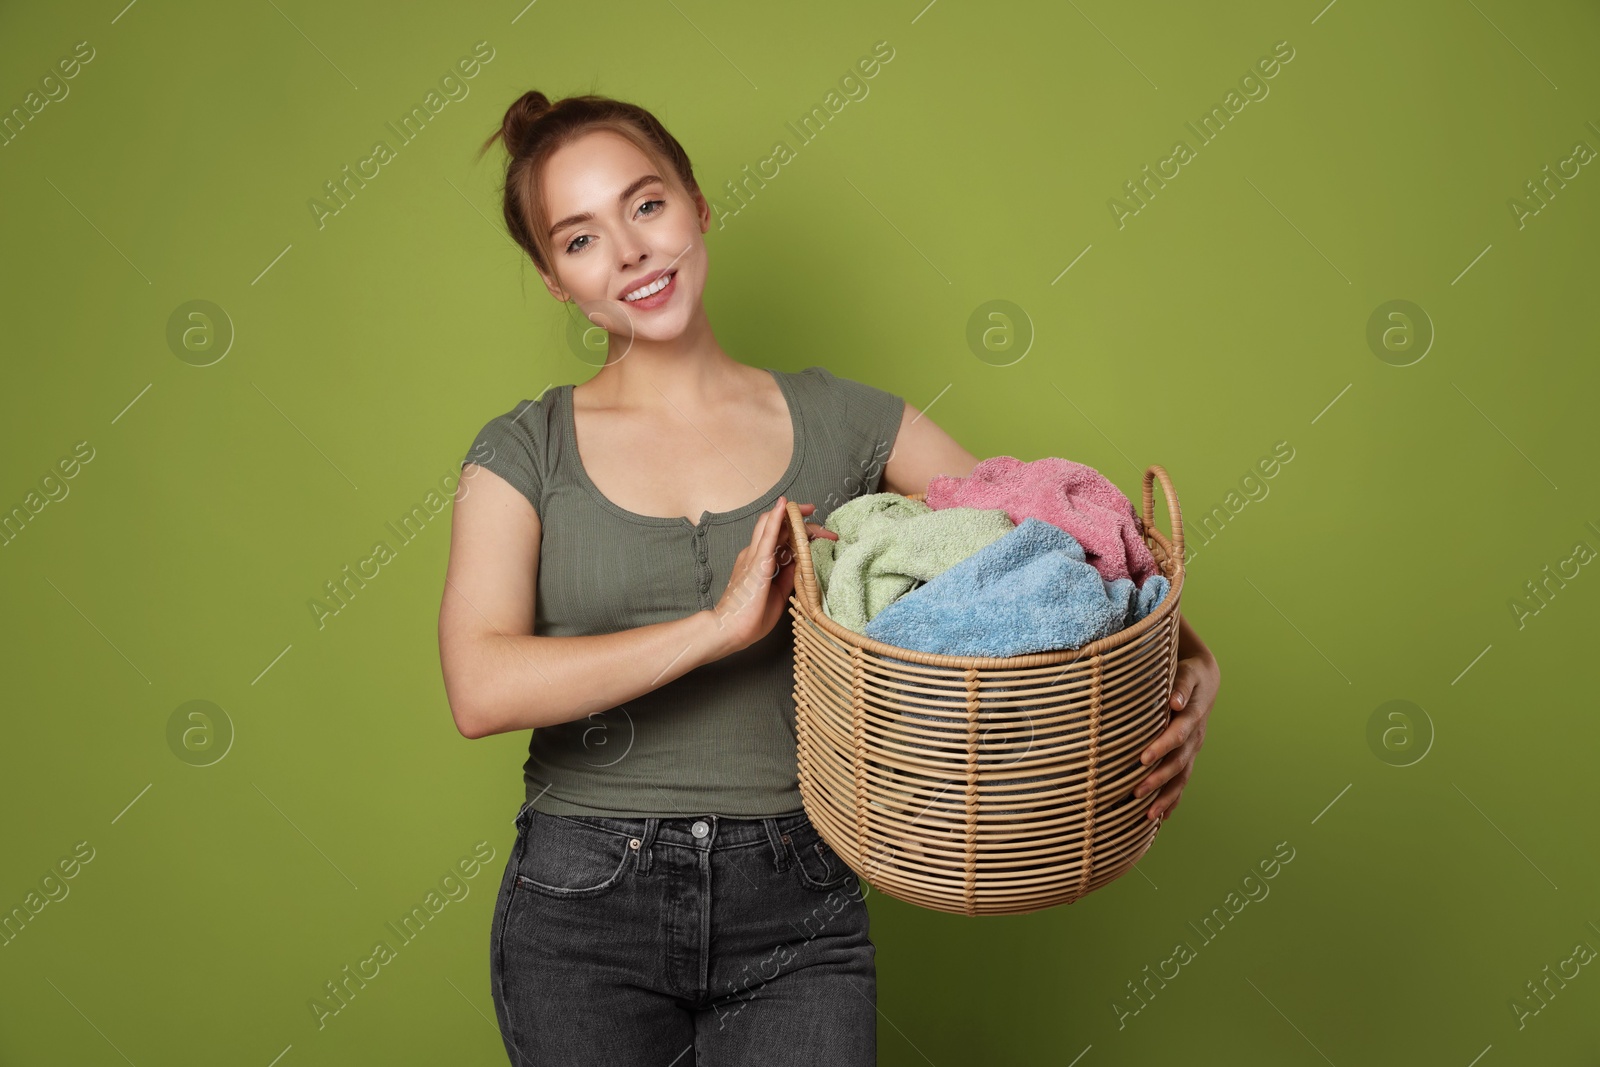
<point x="716" y="831"/>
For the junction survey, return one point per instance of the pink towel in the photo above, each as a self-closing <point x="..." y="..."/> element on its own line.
<point x="1075" y="497"/>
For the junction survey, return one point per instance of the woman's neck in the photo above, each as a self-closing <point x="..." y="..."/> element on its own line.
<point x="649" y="374"/>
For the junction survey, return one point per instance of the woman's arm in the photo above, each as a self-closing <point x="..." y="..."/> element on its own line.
<point x="499" y="676"/>
<point x="922" y="450"/>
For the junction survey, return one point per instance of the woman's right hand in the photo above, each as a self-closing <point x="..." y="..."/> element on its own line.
<point x="763" y="577"/>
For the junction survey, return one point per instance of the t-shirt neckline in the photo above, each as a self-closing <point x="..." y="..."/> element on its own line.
<point x="707" y="518"/>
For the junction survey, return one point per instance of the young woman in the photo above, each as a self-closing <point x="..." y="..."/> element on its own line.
<point x="617" y="583"/>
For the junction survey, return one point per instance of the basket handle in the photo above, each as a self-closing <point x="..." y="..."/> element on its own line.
<point x="805" y="577"/>
<point x="1174" y="547"/>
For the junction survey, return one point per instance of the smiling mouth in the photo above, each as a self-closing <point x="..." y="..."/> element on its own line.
<point x="644" y="292"/>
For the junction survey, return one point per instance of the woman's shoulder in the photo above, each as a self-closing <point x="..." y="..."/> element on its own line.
<point x="516" y="444"/>
<point x="528" y="421"/>
<point x="842" y="389"/>
<point x="852" y="401"/>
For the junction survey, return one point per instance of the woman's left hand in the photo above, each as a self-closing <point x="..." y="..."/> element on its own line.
<point x="1194" y="691"/>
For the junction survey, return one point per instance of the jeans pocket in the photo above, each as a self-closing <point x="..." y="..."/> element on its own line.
<point x="568" y="860"/>
<point x="524" y="816"/>
<point x="816" y="865"/>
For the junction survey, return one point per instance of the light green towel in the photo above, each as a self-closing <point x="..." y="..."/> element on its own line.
<point x="888" y="544"/>
<point x="846" y="519"/>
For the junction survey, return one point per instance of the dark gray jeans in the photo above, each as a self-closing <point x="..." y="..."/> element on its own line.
<point x="673" y="942"/>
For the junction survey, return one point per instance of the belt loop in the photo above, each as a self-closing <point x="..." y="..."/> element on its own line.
<point x="651" y="824"/>
<point x="780" y="855"/>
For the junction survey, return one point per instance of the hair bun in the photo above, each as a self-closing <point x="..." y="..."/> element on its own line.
<point x="521" y="117"/>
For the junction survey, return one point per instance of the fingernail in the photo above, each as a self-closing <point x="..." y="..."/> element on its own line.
<point x="1181" y="700"/>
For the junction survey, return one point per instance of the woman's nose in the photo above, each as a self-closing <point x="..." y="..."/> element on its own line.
<point x="634" y="255"/>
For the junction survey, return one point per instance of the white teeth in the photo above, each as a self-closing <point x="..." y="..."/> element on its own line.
<point x="654" y="287"/>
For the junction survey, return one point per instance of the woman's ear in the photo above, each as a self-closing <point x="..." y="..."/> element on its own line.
<point x="703" y="209"/>
<point x="554" y="286"/>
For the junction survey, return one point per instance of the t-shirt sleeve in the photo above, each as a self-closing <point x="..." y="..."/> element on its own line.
<point x="868" y="421"/>
<point x="511" y="445"/>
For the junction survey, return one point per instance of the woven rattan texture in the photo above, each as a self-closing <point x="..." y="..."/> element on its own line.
<point x="983" y="786"/>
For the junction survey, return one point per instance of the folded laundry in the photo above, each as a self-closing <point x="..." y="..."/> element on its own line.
<point x="1029" y="591"/>
<point x="888" y="544"/>
<point x="1075" y="497"/>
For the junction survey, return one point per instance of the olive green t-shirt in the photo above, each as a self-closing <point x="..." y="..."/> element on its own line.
<point x="720" y="739"/>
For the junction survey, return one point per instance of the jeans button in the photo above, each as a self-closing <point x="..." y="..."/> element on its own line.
<point x="700" y="829"/>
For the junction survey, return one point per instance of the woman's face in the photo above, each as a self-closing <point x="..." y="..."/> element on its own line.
<point x="622" y="224"/>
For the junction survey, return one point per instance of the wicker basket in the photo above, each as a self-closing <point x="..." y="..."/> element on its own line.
<point x="982" y="785"/>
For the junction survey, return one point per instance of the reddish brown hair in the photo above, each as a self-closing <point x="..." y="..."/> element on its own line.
<point x="534" y="128"/>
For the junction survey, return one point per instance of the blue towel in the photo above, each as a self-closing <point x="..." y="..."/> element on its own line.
<point x="1030" y="591"/>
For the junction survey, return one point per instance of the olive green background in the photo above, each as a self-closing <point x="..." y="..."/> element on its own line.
<point x="1441" y="860"/>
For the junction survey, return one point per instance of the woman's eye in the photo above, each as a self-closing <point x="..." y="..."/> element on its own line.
<point x="574" y="246"/>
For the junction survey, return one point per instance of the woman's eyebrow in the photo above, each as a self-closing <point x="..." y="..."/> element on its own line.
<point x="622" y="198"/>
